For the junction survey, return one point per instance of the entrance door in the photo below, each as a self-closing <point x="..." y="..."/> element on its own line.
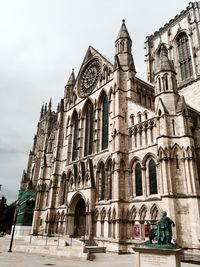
<point x="80" y="217"/>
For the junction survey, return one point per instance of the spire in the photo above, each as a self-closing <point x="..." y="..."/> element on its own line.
<point x="70" y="84"/>
<point x="123" y="55"/>
<point x="58" y="107"/>
<point x="71" y="80"/>
<point x="45" y="108"/>
<point x="50" y="103"/>
<point x="49" y="106"/>
<point x="24" y="177"/>
<point x="163" y="63"/>
<point x="123" y="42"/>
<point x="123" y="33"/>
<point x="42" y="111"/>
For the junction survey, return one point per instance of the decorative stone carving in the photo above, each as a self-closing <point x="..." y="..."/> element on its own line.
<point x="89" y="78"/>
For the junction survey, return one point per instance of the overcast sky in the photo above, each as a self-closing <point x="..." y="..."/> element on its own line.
<point x="41" y="41"/>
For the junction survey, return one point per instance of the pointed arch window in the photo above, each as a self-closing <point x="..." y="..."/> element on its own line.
<point x="139" y="117"/>
<point x="138" y="180"/>
<point x="75" y="137"/>
<point x="109" y="180"/>
<point x="105" y="121"/>
<point x="159" y="84"/>
<point x="185" y="60"/>
<point x="152" y="178"/>
<point x="63" y="189"/>
<point x="102" y="182"/>
<point x="166" y="82"/>
<point x="89" y="119"/>
<point x="103" y="215"/>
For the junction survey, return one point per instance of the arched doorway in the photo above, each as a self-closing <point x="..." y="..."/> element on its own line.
<point x="80" y="218"/>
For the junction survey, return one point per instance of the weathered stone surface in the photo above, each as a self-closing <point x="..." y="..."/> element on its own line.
<point x="148" y="257"/>
<point x="87" y="175"/>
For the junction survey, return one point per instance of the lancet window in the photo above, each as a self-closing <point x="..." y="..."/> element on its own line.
<point x="138" y="180"/>
<point x="185" y="60"/>
<point x="75" y="136"/>
<point x="152" y="178"/>
<point x="89" y="120"/>
<point x="105" y="121"/>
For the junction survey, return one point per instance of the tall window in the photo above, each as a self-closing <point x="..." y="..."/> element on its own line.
<point x="166" y="82"/>
<point x="109" y="167"/>
<point x="103" y="215"/>
<point x="152" y="178"/>
<point x="138" y="180"/>
<point x="159" y="84"/>
<point x="63" y="189"/>
<point x="105" y="121"/>
<point x="89" y="118"/>
<point x="102" y="182"/>
<point x="184" y="53"/>
<point x="75" y="136"/>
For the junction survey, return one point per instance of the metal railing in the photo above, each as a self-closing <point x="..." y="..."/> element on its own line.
<point x="47" y="237"/>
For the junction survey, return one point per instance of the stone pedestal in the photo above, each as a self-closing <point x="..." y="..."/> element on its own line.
<point x="153" y="257"/>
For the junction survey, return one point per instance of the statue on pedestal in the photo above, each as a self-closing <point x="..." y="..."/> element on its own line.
<point x="163" y="231"/>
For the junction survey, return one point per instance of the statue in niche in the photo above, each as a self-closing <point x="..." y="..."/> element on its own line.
<point x="163" y="231"/>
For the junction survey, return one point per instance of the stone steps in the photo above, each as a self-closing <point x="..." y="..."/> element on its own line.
<point x="50" y="246"/>
<point x="57" y="246"/>
<point x="95" y="249"/>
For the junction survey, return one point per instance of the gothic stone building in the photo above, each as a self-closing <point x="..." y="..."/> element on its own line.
<point x="120" y="150"/>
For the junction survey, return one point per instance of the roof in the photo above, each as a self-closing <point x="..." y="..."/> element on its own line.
<point x="123" y="33"/>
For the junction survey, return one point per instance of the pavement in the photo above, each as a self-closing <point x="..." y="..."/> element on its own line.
<point x="20" y="259"/>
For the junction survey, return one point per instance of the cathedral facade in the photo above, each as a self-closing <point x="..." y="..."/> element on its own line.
<point x="120" y="150"/>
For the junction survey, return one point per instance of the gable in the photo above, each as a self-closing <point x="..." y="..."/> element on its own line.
<point x="161" y="109"/>
<point x="94" y="69"/>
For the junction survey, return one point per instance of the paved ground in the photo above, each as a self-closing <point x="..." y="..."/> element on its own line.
<point x="15" y="259"/>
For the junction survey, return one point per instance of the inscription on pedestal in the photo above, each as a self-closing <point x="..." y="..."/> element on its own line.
<point x="147" y="260"/>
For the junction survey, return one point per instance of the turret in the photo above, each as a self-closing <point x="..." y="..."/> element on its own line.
<point x="165" y="80"/>
<point x="69" y="86"/>
<point x="45" y="108"/>
<point x="123" y="54"/>
<point x="165" y="75"/>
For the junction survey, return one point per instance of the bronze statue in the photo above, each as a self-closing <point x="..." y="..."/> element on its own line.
<point x="163" y="231"/>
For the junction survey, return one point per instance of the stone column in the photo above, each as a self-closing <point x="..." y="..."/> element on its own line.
<point x="164" y="176"/>
<point x="142" y="234"/>
<point x="70" y="223"/>
<point x="97" y="142"/>
<point x="116" y="174"/>
<point x="81" y="129"/>
<point x="106" y="184"/>
<point x="135" y="140"/>
<point x="90" y="225"/>
<point x="187" y="175"/>
<point x="148" y="135"/>
<point x="192" y="172"/>
<point x="138" y="139"/>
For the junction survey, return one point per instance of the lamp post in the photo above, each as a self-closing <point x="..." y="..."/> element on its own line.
<point x="14" y="224"/>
